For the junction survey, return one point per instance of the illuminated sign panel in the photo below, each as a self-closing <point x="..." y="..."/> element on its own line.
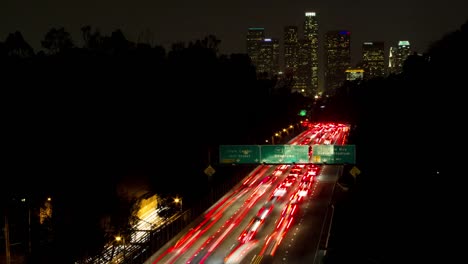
<point x="256" y="154"/>
<point x="354" y="74"/>
<point x="239" y="154"/>
<point x="285" y="154"/>
<point x="334" y="154"/>
<point x="403" y="43"/>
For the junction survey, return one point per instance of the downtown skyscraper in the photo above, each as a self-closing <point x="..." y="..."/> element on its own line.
<point x="255" y="38"/>
<point x="263" y="52"/>
<point x="311" y="36"/>
<point x="373" y="59"/>
<point x="337" y="58"/>
<point x="301" y="56"/>
<point x="398" y="56"/>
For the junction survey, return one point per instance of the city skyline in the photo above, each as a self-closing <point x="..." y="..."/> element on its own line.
<point x="420" y="22"/>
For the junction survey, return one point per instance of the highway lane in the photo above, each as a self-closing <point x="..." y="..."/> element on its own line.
<point x="261" y="234"/>
<point x="301" y="245"/>
<point x="278" y="238"/>
<point x="228" y="214"/>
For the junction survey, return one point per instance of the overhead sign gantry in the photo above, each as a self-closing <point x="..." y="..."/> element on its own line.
<point x="287" y="154"/>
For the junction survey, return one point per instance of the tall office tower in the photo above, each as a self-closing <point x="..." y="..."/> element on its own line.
<point x="337" y="58"/>
<point x="255" y="37"/>
<point x="311" y="34"/>
<point x="276" y="56"/>
<point x="291" y="49"/>
<point x="373" y="59"/>
<point x="268" y="58"/>
<point x="398" y="56"/>
<point x="304" y="76"/>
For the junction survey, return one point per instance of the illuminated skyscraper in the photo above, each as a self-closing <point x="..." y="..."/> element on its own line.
<point x="291" y="51"/>
<point x="303" y="82"/>
<point x="290" y="48"/>
<point x="337" y="58"/>
<point x="398" y="56"/>
<point x="311" y="35"/>
<point x="268" y="58"/>
<point x="255" y="37"/>
<point x="373" y="59"/>
<point x="264" y="52"/>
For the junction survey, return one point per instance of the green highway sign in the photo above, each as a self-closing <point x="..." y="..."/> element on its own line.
<point x="284" y="154"/>
<point x="239" y="154"/>
<point x="334" y="154"/>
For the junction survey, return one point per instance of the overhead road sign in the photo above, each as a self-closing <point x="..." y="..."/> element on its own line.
<point x="258" y="154"/>
<point x="334" y="154"/>
<point x="239" y="154"/>
<point x="284" y="154"/>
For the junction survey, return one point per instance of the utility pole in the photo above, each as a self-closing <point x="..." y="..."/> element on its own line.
<point x="209" y="177"/>
<point x="29" y="229"/>
<point x="7" y="238"/>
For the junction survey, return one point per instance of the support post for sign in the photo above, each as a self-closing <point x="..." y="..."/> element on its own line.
<point x="209" y="156"/>
<point x="210" y="181"/>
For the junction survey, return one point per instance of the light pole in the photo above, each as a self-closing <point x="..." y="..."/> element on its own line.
<point x="273" y="138"/>
<point x="178" y="200"/>
<point x="24" y="200"/>
<point x="29" y="229"/>
<point x="7" y="238"/>
<point x="119" y="239"/>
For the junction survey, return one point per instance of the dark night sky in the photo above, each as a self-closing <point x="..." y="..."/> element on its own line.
<point x="419" y="21"/>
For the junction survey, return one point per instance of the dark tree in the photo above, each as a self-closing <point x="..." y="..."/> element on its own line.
<point x="57" y="40"/>
<point x="16" y="46"/>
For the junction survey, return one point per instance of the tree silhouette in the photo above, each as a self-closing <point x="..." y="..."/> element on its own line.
<point x="92" y="40"/>
<point x="117" y="43"/>
<point x="16" y="46"/>
<point x="57" y="41"/>
<point x="427" y="98"/>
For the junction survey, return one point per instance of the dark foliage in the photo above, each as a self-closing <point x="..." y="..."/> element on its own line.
<point x="81" y="123"/>
<point x="406" y="204"/>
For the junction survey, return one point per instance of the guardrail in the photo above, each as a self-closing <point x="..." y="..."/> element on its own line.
<point x="137" y="252"/>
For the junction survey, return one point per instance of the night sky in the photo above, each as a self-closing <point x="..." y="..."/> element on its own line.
<point x="419" y="21"/>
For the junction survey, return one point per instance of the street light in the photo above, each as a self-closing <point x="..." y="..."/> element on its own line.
<point x="119" y="239"/>
<point x="276" y="135"/>
<point x="178" y="200"/>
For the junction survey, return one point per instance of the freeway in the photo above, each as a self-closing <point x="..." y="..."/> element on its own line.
<point x="277" y="214"/>
<point x="301" y="244"/>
